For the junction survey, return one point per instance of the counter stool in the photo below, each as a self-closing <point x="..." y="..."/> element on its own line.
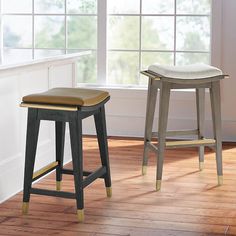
<point x="165" y="78"/>
<point x="66" y="105"/>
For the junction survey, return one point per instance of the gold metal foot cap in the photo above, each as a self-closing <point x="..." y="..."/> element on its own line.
<point x="109" y="191"/>
<point x="25" y="208"/>
<point x="80" y="215"/>
<point x="144" y="170"/>
<point x="158" y="185"/>
<point x="58" y="185"/>
<point x="220" y="180"/>
<point x="201" y="165"/>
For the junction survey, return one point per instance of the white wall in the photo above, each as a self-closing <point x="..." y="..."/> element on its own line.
<point x="14" y="84"/>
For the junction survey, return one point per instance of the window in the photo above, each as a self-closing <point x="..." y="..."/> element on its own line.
<point x="124" y="36"/>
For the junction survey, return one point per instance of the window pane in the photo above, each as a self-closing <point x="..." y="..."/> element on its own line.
<point x="158" y="6"/>
<point x="82" y="32"/>
<point x="123" y="32"/>
<point x="87" y="68"/>
<point x="82" y="6"/>
<point x="11" y="56"/>
<point x="17" y="31"/>
<point x="193" y="6"/>
<point x="149" y="58"/>
<point x="49" y="6"/>
<point x="192" y="58"/>
<point x="123" y="6"/>
<point x="16" y="6"/>
<point x="158" y="32"/>
<point x="42" y="53"/>
<point x="193" y="33"/>
<point x="123" y="68"/>
<point x="49" y="32"/>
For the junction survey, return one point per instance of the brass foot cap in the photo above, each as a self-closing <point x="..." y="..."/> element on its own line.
<point x="220" y="180"/>
<point x="144" y="170"/>
<point x="25" y="208"/>
<point x="58" y="185"/>
<point x="158" y="185"/>
<point x="109" y="191"/>
<point x="80" y="215"/>
<point x="201" y="165"/>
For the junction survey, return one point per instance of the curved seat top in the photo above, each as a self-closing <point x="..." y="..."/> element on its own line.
<point x="68" y="97"/>
<point x="195" y="73"/>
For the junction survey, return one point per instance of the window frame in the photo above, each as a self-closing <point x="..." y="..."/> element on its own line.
<point x="102" y="19"/>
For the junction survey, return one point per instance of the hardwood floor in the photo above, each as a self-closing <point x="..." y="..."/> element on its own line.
<point x="189" y="203"/>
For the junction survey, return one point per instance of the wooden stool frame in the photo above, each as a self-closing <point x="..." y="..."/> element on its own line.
<point x="74" y="118"/>
<point x="156" y="82"/>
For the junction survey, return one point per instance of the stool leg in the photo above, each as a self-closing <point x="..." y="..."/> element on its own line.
<point x="216" y="118"/>
<point x="30" y="152"/>
<point x="150" y="111"/>
<point x="100" y="123"/>
<point x="200" y="102"/>
<point x="60" y="141"/>
<point x="162" y="126"/>
<point x="77" y="160"/>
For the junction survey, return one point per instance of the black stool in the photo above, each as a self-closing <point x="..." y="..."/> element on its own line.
<point x="66" y="105"/>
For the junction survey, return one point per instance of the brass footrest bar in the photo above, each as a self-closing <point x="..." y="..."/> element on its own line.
<point x="52" y="193"/>
<point x="152" y="146"/>
<point x="184" y="143"/>
<point x="45" y="170"/>
<point x="191" y="143"/>
<point x="178" y="133"/>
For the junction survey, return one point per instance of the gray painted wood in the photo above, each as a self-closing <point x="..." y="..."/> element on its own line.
<point x="216" y="119"/>
<point x="162" y="126"/>
<point x="165" y="85"/>
<point x="200" y="104"/>
<point x="150" y="111"/>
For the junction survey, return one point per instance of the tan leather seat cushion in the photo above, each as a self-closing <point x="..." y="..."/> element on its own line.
<point x="68" y="96"/>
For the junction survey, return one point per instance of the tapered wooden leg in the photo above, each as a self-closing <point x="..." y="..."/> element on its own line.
<point x="30" y="152"/>
<point x="150" y="110"/>
<point x="60" y="141"/>
<point x="216" y="118"/>
<point x="200" y="102"/>
<point x="100" y="123"/>
<point x="162" y="126"/>
<point x="77" y="159"/>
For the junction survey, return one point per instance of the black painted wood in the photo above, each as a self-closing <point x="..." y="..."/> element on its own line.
<point x="77" y="158"/>
<point x="74" y="118"/>
<point x="54" y="193"/>
<point x="100" y="123"/>
<point x="99" y="173"/>
<point x="60" y="128"/>
<point x="70" y="172"/>
<point x="30" y="152"/>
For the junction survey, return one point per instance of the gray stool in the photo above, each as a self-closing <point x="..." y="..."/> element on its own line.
<point x="165" y="78"/>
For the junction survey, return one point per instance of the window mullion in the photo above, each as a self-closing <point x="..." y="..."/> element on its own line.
<point x="101" y="41"/>
<point x="33" y="32"/>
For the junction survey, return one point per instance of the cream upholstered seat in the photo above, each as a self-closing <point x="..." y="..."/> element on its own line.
<point x="165" y="78"/>
<point x="194" y="71"/>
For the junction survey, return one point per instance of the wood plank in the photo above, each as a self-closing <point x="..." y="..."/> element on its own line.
<point x="189" y="203"/>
